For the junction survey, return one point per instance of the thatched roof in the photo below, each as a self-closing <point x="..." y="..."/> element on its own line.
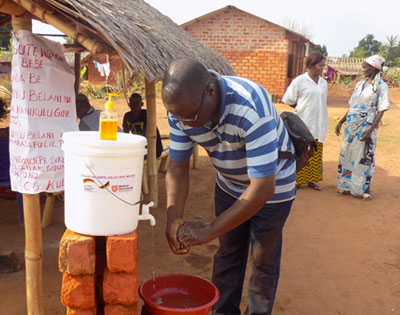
<point x="146" y="40"/>
<point x="346" y="65"/>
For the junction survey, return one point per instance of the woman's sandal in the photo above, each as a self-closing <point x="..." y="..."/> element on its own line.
<point x="366" y="196"/>
<point x="314" y="186"/>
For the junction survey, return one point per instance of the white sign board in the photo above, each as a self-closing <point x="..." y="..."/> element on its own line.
<point x="42" y="108"/>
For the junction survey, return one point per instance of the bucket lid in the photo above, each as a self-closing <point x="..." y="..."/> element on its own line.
<point x="88" y="142"/>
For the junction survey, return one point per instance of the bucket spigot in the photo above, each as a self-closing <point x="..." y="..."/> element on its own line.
<point x="146" y="214"/>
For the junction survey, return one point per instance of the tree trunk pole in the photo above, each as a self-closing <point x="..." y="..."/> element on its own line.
<point x="33" y="230"/>
<point x="33" y="255"/>
<point x="151" y="134"/>
<point x="77" y="65"/>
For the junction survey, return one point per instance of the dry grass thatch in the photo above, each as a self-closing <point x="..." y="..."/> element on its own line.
<point x="346" y="65"/>
<point x="146" y="40"/>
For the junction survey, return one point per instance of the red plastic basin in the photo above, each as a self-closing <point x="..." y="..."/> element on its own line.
<point x="178" y="294"/>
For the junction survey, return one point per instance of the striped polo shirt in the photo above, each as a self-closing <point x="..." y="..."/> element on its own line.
<point x="245" y="142"/>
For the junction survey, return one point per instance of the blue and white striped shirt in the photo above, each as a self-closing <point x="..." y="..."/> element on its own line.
<point x="245" y="142"/>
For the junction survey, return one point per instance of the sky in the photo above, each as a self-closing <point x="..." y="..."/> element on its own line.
<point x="339" y="24"/>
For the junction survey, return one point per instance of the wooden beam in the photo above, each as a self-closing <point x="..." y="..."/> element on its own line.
<point x="77" y="71"/>
<point x="63" y="26"/>
<point x="151" y="134"/>
<point x="9" y="7"/>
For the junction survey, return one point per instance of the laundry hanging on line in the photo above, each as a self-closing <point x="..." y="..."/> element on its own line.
<point x="104" y="68"/>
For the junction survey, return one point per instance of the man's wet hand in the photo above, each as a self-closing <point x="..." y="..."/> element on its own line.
<point x="195" y="233"/>
<point x="171" y="233"/>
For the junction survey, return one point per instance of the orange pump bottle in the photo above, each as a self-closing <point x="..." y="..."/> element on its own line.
<point x="109" y="121"/>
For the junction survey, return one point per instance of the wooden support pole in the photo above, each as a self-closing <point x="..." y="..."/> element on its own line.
<point x="151" y="135"/>
<point x="77" y="72"/>
<point x="48" y="209"/>
<point x="33" y="230"/>
<point x="33" y="254"/>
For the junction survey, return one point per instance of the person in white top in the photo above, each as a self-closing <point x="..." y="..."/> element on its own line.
<point x="307" y="93"/>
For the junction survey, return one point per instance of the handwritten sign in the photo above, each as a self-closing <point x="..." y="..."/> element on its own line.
<point x="42" y="108"/>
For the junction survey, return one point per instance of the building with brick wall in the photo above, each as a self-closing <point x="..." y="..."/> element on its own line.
<point x="257" y="49"/>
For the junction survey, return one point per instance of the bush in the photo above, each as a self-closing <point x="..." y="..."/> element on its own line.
<point x="5" y="87"/>
<point x="134" y="82"/>
<point x="392" y="77"/>
<point x="347" y="80"/>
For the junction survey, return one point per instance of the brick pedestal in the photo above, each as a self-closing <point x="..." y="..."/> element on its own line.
<point x="99" y="274"/>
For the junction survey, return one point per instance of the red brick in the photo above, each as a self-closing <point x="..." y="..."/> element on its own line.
<point x="77" y="254"/>
<point x="120" y="287"/>
<point x="78" y="291"/>
<point x="80" y="311"/>
<point x="118" y="309"/>
<point x="121" y="252"/>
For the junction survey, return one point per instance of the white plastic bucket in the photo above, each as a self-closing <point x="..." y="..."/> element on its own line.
<point x="103" y="181"/>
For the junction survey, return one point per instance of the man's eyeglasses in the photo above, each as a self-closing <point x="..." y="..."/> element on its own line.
<point x="198" y="111"/>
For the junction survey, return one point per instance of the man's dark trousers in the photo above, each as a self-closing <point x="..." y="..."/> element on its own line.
<point x="264" y="232"/>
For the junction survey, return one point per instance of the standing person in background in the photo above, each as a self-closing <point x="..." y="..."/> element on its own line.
<point x="368" y="103"/>
<point x="135" y="121"/>
<point x="308" y="95"/>
<point x="233" y="119"/>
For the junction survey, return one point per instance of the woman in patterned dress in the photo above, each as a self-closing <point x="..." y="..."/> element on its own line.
<point x="369" y="101"/>
<point x="307" y="93"/>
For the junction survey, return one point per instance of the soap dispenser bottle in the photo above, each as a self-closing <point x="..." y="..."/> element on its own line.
<point x="109" y="120"/>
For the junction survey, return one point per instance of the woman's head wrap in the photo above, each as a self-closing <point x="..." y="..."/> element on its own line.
<point x="377" y="62"/>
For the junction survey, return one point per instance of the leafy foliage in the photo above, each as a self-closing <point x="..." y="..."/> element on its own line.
<point x="391" y="51"/>
<point x="320" y="49"/>
<point x="5" y="38"/>
<point x="367" y="46"/>
<point x="5" y="87"/>
<point x="68" y="40"/>
<point x="392" y="77"/>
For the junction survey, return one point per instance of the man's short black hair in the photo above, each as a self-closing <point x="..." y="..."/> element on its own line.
<point x="80" y="97"/>
<point x="184" y="76"/>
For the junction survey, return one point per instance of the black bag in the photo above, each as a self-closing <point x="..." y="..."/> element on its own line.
<point x="302" y="139"/>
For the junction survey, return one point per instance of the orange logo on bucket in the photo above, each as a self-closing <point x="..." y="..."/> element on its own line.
<point x="114" y="188"/>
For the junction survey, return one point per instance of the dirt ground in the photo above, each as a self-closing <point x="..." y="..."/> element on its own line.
<point x="341" y="255"/>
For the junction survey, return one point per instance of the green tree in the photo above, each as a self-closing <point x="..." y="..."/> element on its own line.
<point x="368" y="46"/>
<point x="392" y="41"/>
<point x="320" y="49"/>
<point x="391" y="51"/>
<point x="5" y="38"/>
